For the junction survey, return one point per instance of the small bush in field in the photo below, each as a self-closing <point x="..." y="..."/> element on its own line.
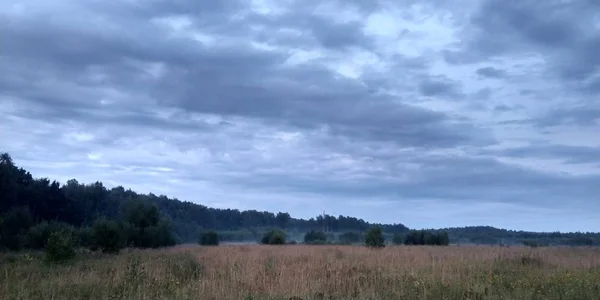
<point x="273" y="237"/>
<point x="60" y="246"/>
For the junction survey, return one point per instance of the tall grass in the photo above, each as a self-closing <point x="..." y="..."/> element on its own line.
<point x="309" y="272"/>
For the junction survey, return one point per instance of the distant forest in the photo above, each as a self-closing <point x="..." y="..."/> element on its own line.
<point x="26" y="201"/>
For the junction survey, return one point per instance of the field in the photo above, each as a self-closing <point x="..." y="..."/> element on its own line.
<point x="309" y="272"/>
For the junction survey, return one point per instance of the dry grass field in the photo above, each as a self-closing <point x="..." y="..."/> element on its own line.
<point x="309" y="272"/>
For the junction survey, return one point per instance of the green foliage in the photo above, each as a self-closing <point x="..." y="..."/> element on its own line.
<point x="347" y="238"/>
<point x="84" y="236"/>
<point x="315" y="237"/>
<point x="282" y="220"/>
<point x="108" y="236"/>
<point x="530" y="243"/>
<point x="374" y="238"/>
<point x="580" y="240"/>
<point x="15" y="226"/>
<point x="397" y="239"/>
<point x="424" y="237"/>
<point x="144" y="227"/>
<point x="273" y="237"/>
<point x="60" y="246"/>
<point x="38" y="235"/>
<point x="209" y="238"/>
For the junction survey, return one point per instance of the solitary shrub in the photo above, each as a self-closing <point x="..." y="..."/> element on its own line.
<point x="60" y="246"/>
<point x="209" y="238"/>
<point x="273" y="237"/>
<point x="374" y="238"/>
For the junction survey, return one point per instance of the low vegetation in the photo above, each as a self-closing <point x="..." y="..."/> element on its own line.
<point x="309" y="272"/>
<point x="273" y="237"/>
<point x="315" y="237"/>
<point x="424" y="237"/>
<point x="60" y="247"/>
<point x="209" y="238"/>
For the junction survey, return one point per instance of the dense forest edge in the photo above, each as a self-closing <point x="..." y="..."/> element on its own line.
<point x="31" y="209"/>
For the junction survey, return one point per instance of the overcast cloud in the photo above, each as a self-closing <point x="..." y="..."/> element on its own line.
<point x="417" y="112"/>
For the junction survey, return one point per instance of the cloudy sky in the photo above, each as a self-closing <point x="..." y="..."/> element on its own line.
<point x="417" y="112"/>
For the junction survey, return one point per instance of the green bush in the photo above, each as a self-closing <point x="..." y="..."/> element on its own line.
<point x="273" y="237"/>
<point x="38" y="235"/>
<point x="85" y="238"/>
<point x="108" y="236"/>
<point x="397" y="239"/>
<point x="374" y="238"/>
<point x="60" y="246"/>
<point x="315" y="237"/>
<point x="209" y="238"/>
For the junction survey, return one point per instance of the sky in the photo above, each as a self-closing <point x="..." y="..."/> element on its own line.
<point x="425" y="113"/>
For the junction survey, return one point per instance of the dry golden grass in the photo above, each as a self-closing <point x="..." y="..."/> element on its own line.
<point x="310" y="272"/>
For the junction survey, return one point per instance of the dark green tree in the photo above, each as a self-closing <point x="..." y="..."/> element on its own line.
<point x="209" y="238"/>
<point x="37" y="236"/>
<point x="443" y="239"/>
<point x="108" y="236"/>
<point x="273" y="237"/>
<point x="15" y="226"/>
<point x="144" y="227"/>
<point x="374" y="238"/>
<point x="424" y="237"/>
<point x="430" y="238"/>
<point x="397" y="239"/>
<point x="282" y="220"/>
<point x="315" y="237"/>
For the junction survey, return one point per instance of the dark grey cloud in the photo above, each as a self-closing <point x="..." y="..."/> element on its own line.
<point x="579" y="116"/>
<point x="491" y="72"/>
<point x="569" y="154"/>
<point x="506" y="108"/>
<point x="236" y="80"/>
<point x="436" y="86"/>
<point x="463" y="180"/>
<point x="559" y="31"/>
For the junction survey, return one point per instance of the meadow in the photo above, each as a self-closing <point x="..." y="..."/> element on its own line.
<point x="309" y="272"/>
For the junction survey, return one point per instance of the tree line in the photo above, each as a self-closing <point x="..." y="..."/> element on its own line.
<point x="31" y="208"/>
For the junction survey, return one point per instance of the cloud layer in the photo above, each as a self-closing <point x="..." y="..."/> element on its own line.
<point x="414" y="111"/>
